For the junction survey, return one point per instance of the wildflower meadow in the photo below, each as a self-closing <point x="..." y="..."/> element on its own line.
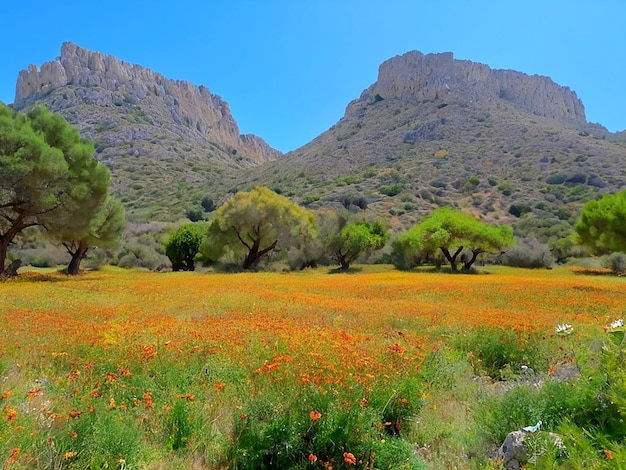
<point x="372" y="368"/>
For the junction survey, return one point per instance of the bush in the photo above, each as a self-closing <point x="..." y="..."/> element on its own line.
<point x="183" y="246"/>
<point x="528" y="253"/>
<point x="616" y="262"/>
<point x="500" y="352"/>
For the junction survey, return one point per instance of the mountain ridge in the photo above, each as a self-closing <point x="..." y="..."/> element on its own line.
<point x="432" y="130"/>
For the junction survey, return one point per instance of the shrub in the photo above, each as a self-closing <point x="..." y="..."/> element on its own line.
<point x="392" y="189"/>
<point x="500" y="352"/>
<point x="528" y="253"/>
<point x="519" y="208"/>
<point x="616" y="262"/>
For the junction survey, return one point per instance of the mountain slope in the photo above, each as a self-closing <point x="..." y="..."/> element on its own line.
<point x="165" y="141"/>
<point x="438" y="131"/>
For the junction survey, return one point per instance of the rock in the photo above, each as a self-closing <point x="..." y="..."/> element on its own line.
<point x="80" y="77"/>
<point x="512" y="452"/>
<point x="418" y="77"/>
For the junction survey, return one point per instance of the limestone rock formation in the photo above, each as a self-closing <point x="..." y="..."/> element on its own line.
<point x="81" y="77"/>
<point x="416" y="77"/>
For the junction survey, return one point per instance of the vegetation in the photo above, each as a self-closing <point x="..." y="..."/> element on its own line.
<point x="310" y="369"/>
<point x="602" y="224"/>
<point x="104" y="231"/>
<point x="183" y="245"/>
<point x="451" y="231"/>
<point x="49" y="177"/>
<point x="356" y="239"/>
<point x="254" y="223"/>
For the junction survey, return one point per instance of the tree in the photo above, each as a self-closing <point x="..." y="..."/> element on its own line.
<point x="355" y="239"/>
<point x="252" y="224"/>
<point x="104" y="231"/>
<point x="452" y="231"/>
<point x="602" y="224"/>
<point x="49" y="176"/>
<point x="183" y="245"/>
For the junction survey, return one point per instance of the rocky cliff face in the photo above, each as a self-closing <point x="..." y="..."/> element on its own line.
<point x="416" y="77"/>
<point x="83" y="78"/>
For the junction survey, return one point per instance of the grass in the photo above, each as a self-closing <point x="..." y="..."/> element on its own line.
<point x="375" y="369"/>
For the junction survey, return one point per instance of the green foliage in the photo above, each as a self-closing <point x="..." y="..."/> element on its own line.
<point x="392" y="189"/>
<point x="355" y="239"/>
<point x="317" y="428"/>
<point x="252" y="224"/>
<point x="451" y="231"/>
<point x="104" y="231"/>
<point x="194" y="214"/>
<point x="207" y="204"/>
<point x="179" y="425"/>
<point x="183" y="245"/>
<point x="519" y="208"/>
<point x="501" y="352"/>
<point x="49" y="176"/>
<point x="602" y="224"/>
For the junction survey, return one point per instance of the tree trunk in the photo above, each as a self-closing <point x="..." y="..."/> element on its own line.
<point x="11" y="270"/>
<point x="4" y="248"/>
<point x="468" y="263"/>
<point x="452" y="258"/>
<point x="77" y="256"/>
<point x="255" y="255"/>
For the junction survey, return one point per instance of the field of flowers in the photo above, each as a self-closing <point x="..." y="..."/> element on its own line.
<point x="374" y="368"/>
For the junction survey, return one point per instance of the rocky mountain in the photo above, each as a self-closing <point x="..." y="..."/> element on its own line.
<point x="163" y="139"/>
<point x="434" y="131"/>
<point x="431" y="131"/>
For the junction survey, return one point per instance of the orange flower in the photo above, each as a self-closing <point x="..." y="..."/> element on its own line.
<point x="349" y="458"/>
<point x="315" y="415"/>
<point x="75" y="413"/>
<point x="312" y="458"/>
<point x="33" y="393"/>
<point x="147" y="398"/>
<point x="6" y="395"/>
<point x="111" y="403"/>
<point x="13" y="457"/>
<point x="364" y="403"/>
<point x="68" y="455"/>
<point x="608" y="454"/>
<point x="11" y="414"/>
<point x="73" y="435"/>
<point x="219" y="385"/>
<point x="243" y="416"/>
<point x="187" y="396"/>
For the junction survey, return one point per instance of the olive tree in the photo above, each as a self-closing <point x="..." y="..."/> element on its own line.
<point x="252" y="224"/>
<point x="356" y="239"/>
<point x="452" y="231"/>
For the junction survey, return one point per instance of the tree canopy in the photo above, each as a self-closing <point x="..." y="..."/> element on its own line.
<point x="355" y="239"/>
<point x="252" y="224"/>
<point x="49" y="176"/>
<point x="602" y="224"/>
<point x="183" y="245"/>
<point x="452" y="231"/>
<point x="104" y="230"/>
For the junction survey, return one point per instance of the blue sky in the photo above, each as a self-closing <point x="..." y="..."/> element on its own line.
<point x="289" y="68"/>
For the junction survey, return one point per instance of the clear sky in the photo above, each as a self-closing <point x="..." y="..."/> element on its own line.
<point x="288" y="68"/>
